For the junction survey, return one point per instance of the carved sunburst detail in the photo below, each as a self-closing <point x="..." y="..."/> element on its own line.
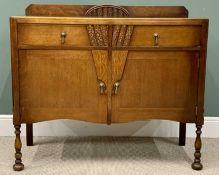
<point x="98" y="34"/>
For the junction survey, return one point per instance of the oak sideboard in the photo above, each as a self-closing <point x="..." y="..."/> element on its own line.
<point x="108" y="64"/>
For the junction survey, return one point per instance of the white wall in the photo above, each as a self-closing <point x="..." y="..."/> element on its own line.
<point x="154" y="128"/>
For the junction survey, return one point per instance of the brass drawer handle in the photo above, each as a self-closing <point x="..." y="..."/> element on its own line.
<point x="116" y="87"/>
<point x="63" y="36"/>
<point x="102" y="87"/>
<point x="156" y="39"/>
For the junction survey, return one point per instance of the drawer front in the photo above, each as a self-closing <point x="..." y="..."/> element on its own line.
<point x="77" y="35"/>
<point x="52" y="35"/>
<point x="166" y="36"/>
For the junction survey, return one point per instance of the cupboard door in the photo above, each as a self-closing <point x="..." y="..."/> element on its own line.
<point x="60" y="84"/>
<point x="158" y="85"/>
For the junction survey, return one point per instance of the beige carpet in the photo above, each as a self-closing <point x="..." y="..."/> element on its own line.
<point x="109" y="156"/>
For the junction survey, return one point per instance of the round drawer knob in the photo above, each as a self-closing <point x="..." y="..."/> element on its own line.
<point x="156" y="39"/>
<point x="63" y="36"/>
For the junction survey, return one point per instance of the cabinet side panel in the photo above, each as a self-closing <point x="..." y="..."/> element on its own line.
<point x="202" y="71"/>
<point x="14" y="69"/>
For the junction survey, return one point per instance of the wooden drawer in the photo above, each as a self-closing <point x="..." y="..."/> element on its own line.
<point x="168" y="36"/>
<point x="50" y="35"/>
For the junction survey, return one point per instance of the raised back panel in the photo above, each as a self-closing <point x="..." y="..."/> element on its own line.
<point x="80" y="10"/>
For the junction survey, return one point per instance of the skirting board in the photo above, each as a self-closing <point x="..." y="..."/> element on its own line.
<point x="150" y="128"/>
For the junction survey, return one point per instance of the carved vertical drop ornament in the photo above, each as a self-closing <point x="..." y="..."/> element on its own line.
<point x="99" y="37"/>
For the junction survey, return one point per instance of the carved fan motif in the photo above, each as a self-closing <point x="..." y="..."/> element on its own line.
<point x="98" y="34"/>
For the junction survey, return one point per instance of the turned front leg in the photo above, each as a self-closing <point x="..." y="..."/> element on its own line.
<point x="198" y="144"/>
<point x="18" y="166"/>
